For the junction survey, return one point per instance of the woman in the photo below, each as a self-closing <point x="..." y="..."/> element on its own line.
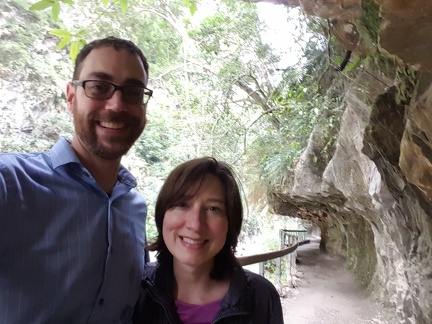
<point x="197" y="278"/>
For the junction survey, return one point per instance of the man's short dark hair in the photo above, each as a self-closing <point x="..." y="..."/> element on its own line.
<point x="114" y="42"/>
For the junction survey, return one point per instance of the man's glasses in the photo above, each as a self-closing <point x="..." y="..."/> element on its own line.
<point x="103" y="90"/>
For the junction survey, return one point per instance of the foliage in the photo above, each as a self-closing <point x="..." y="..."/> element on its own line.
<point x="406" y="79"/>
<point x="78" y="39"/>
<point x="270" y="267"/>
<point x="370" y="19"/>
<point x="32" y="80"/>
<point x="217" y="89"/>
<point x="304" y="96"/>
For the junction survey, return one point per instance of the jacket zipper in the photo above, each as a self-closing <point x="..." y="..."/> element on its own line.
<point x="228" y="315"/>
<point x="160" y="303"/>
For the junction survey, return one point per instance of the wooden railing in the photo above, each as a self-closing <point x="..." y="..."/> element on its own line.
<point x="289" y="237"/>
<point x="290" y="241"/>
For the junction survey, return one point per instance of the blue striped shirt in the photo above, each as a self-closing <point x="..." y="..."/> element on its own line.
<point x="69" y="253"/>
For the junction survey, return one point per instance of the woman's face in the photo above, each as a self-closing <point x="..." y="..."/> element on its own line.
<point x="195" y="230"/>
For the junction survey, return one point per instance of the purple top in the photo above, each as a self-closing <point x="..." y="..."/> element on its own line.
<point x="197" y="314"/>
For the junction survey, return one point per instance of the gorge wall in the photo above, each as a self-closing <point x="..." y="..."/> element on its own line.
<point x="373" y="200"/>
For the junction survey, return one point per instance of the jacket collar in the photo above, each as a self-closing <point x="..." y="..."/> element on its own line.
<point x="238" y="300"/>
<point x="159" y="282"/>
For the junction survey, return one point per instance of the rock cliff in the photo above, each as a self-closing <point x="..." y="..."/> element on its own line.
<point x="373" y="200"/>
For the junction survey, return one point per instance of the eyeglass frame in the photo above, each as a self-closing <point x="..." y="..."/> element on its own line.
<point x="147" y="95"/>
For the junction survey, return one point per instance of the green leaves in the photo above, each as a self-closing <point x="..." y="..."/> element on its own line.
<point x="66" y="37"/>
<point x="55" y="11"/>
<point x="60" y="32"/>
<point x="63" y="42"/>
<point x="77" y="41"/>
<point x="54" y="4"/>
<point x="42" y="5"/>
<point x="354" y="64"/>
<point x="75" y="47"/>
<point x="192" y="5"/>
<point x="122" y="3"/>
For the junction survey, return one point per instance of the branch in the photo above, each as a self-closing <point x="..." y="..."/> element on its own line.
<point x="258" y="99"/>
<point x="263" y="114"/>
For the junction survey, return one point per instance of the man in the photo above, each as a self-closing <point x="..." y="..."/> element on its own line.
<point x="72" y="226"/>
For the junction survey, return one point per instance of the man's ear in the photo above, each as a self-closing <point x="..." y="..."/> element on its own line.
<point x="70" y="96"/>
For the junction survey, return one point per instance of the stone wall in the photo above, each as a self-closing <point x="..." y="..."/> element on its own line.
<point x="373" y="201"/>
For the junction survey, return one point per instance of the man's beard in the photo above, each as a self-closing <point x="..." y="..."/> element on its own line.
<point x="117" y="146"/>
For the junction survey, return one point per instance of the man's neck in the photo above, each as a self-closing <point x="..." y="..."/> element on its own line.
<point x="104" y="171"/>
<point x="105" y="174"/>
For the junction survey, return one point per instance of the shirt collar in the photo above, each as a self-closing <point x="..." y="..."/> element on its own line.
<point x="62" y="153"/>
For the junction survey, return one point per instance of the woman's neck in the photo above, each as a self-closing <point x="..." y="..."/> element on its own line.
<point x="196" y="287"/>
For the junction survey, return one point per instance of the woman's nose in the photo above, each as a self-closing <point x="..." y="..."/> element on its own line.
<point x="194" y="219"/>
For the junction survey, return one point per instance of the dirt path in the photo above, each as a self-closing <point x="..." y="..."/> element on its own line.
<point x="328" y="293"/>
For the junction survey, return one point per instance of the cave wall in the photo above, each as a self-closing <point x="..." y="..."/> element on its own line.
<point x="373" y="200"/>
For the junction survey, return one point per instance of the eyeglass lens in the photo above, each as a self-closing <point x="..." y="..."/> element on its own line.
<point x="104" y="90"/>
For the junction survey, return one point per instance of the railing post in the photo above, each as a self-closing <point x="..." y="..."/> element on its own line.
<point x="293" y="260"/>
<point x="278" y="271"/>
<point x="289" y="245"/>
<point x="288" y="268"/>
<point x="289" y="237"/>
<point x="281" y="237"/>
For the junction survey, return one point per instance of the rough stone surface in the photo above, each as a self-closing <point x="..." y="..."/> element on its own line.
<point x="406" y="31"/>
<point x="373" y="200"/>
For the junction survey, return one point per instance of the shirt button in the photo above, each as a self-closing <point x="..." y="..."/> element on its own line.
<point x="101" y="301"/>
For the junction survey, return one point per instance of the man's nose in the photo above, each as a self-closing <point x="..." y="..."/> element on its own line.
<point x="116" y="101"/>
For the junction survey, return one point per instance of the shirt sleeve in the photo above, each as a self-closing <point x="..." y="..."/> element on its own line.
<point x="3" y="191"/>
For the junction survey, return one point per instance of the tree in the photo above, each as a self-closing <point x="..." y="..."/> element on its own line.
<point x="217" y="88"/>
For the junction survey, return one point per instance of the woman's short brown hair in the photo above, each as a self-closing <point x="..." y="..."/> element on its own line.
<point x="177" y="186"/>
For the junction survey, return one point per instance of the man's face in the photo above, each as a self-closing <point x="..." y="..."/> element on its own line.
<point x="107" y="128"/>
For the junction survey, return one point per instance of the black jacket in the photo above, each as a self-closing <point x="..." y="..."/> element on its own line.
<point x="251" y="299"/>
